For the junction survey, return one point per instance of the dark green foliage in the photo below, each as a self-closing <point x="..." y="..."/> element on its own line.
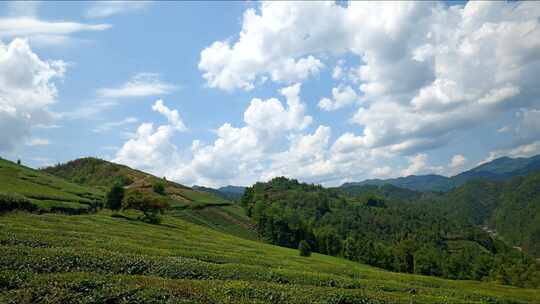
<point x="304" y="249"/>
<point x="115" y="196"/>
<point x="18" y="162"/>
<point x="13" y="201"/>
<point x="510" y="209"/>
<point x="411" y="236"/>
<point x="93" y="172"/>
<point x="158" y="188"/>
<point x="151" y="205"/>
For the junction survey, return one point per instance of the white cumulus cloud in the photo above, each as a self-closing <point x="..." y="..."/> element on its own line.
<point x="427" y="70"/>
<point x="457" y="161"/>
<point x="26" y="91"/>
<point x="150" y="148"/>
<point x="342" y="96"/>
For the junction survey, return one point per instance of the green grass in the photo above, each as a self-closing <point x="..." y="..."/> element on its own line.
<point x="230" y="219"/>
<point x="95" y="258"/>
<point x="45" y="191"/>
<point x="93" y="172"/>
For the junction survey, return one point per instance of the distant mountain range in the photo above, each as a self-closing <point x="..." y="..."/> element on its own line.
<point x="227" y="192"/>
<point x="498" y="169"/>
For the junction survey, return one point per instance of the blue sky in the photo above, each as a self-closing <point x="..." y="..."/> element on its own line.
<point x="321" y="92"/>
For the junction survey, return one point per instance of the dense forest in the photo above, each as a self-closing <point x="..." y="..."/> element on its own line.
<point x="510" y="208"/>
<point x="397" y="229"/>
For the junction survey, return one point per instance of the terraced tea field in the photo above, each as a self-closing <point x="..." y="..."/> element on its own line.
<point x="97" y="258"/>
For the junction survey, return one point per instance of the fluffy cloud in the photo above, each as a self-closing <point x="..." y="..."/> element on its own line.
<point x="104" y="9"/>
<point x="306" y="157"/>
<point x="172" y="115"/>
<point x="426" y="73"/>
<point x="457" y="161"/>
<point x="270" y="115"/>
<point x="276" y="42"/>
<point x="427" y="70"/>
<point x="528" y="128"/>
<point x="239" y="154"/>
<point x="243" y="154"/>
<point x="26" y="91"/>
<point x="151" y="148"/>
<point x="524" y="134"/>
<point x="419" y="164"/>
<point x="342" y="96"/>
<point x="525" y="150"/>
<point x="140" y="85"/>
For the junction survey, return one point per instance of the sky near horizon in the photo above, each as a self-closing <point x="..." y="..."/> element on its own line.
<point x="219" y="93"/>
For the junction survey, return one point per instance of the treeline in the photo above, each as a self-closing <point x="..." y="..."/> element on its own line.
<point x="412" y="237"/>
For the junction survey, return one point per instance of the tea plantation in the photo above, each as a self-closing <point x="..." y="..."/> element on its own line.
<point x="97" y="258"/>
<point x="43" y="192"/>
<point x="58" y="246"/>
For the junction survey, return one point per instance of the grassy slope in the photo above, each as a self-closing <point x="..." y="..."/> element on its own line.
<point x="97" y="257"/>
<point x="199" y="207"/>
<point x="44" y="190"/>
<point x="228" y="219"/>
<point x="100" y="173"/>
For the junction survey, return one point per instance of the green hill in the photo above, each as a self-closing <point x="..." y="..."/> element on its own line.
<point x="510" y="208"/>
<point x="419" y="236"/>
<point x="97" y="258"/>
<point x="44" y="192"/>
<point x="199" y="207"/>
<point x="102" y="174"/>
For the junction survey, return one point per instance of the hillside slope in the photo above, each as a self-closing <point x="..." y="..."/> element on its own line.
<point x="46" y="192"/>
<point x="200" y="207"/>
<point x="100" y="173"/>
<point x="511" y="208"/>
<point x="65" y="259"/>
<point x="412" y="237"/>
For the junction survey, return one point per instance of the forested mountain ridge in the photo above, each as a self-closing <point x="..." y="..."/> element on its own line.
<point x="417" y="237"/>
<point x="511" y="208"/>
<point x="498" y="169"/>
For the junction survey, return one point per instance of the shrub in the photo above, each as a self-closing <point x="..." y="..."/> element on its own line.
<point x="150" y="205"/>
<point x="304" y="248"/>
<point x="115" y="197"/>
<point x="12" y="201"/>
<point x="159" y="188"/>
